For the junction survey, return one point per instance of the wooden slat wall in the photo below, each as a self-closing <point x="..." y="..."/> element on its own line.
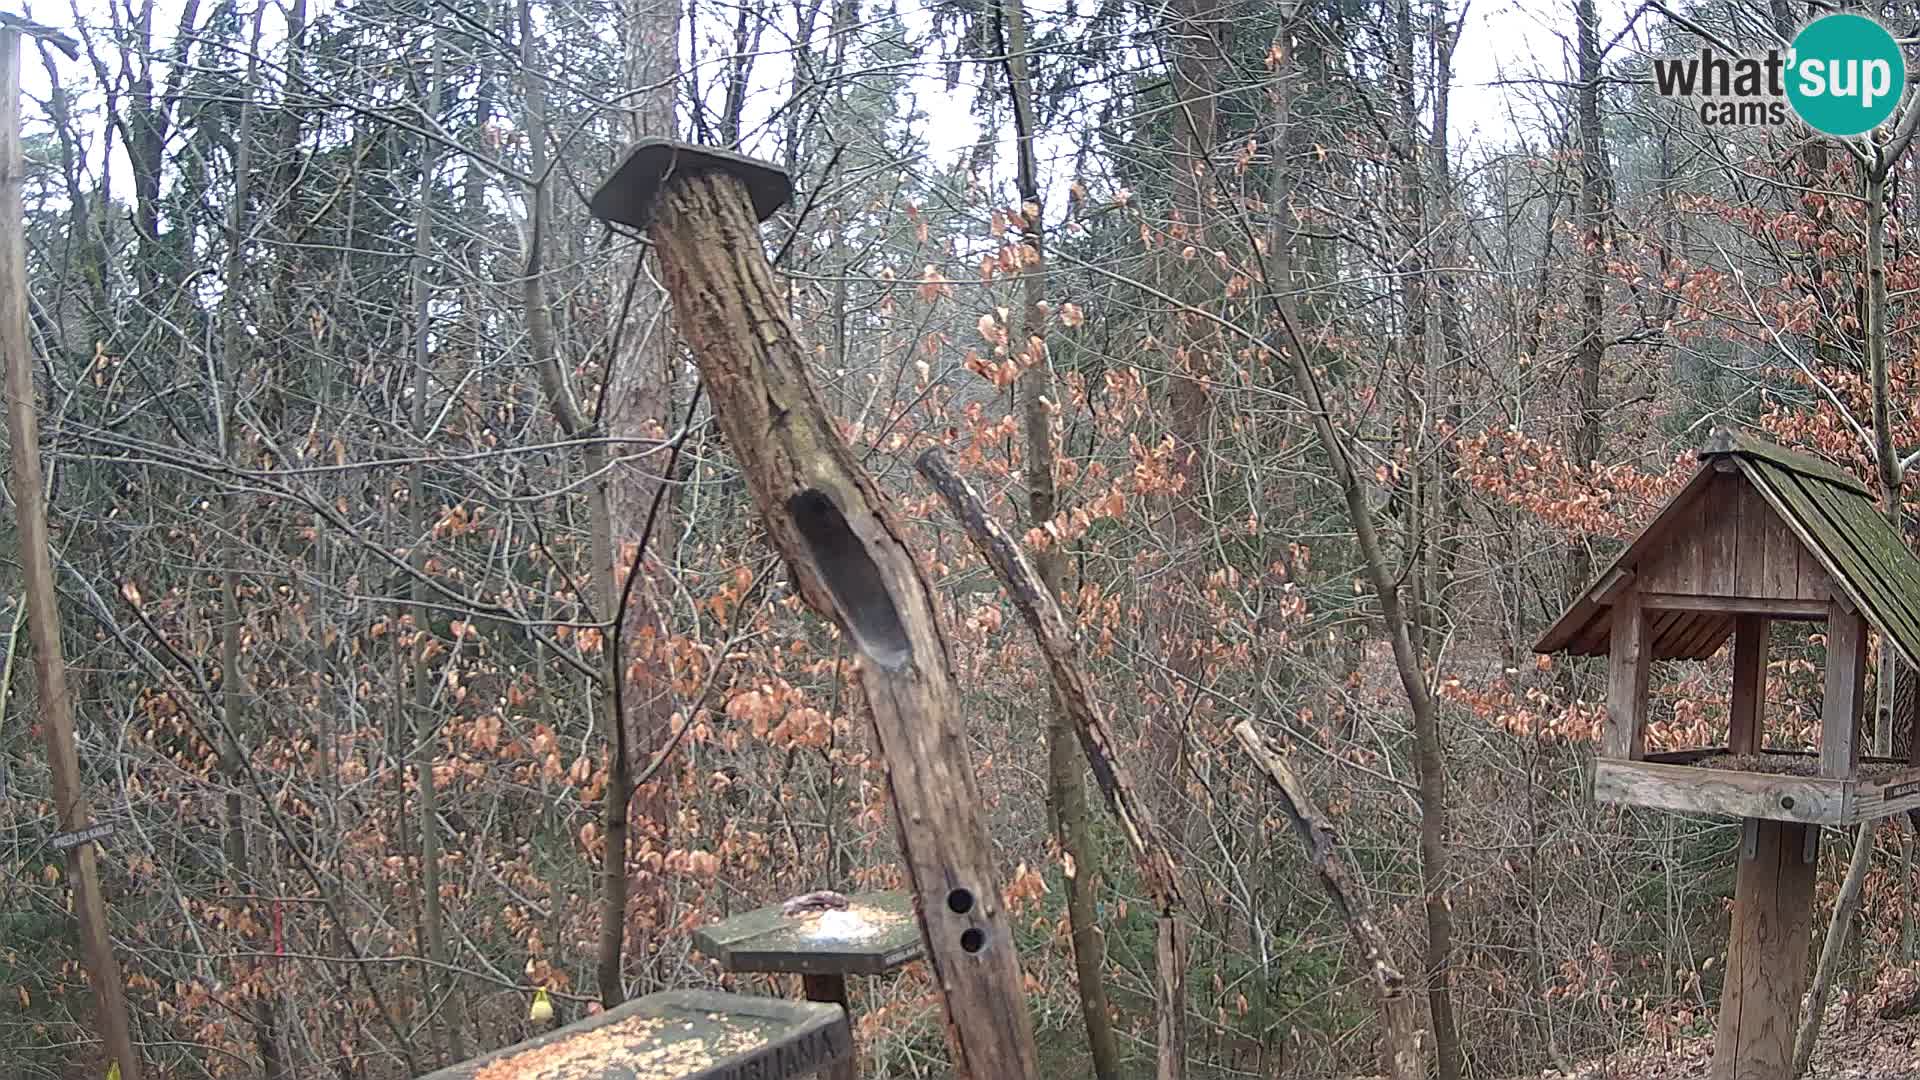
<point x="1736" y="546"/>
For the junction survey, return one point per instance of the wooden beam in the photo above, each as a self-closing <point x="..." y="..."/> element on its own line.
<point x="1627" y="662"/>
<point x="1776" y="607"/>
<point x="1696" y="789"/>
<point x="36" y="574"/>
<point x="1766" y="955"/>
<point x="843" y="543"/>
<point x="1846" y="677"/>
<point x="1608" y="588"/>
<point x="1746" y="731"/>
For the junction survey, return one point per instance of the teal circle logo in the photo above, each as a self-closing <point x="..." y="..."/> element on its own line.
<point x="1847" y="74"/>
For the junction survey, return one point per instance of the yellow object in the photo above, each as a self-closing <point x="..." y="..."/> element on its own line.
<point x="113" y="1070"/>
<point x="540" y="1013"/>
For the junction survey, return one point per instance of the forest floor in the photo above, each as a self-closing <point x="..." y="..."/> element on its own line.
<point x="1861" y="1047"/>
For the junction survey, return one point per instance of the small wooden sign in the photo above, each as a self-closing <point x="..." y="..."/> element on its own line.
<point x="1896" y="791"/>
<point x="65" y="840"/>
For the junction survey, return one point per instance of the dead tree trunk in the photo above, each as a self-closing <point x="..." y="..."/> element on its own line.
<point x="1401" y="1054"/>
<point x="1034" y="597"/>
<point x="844" y="545"/>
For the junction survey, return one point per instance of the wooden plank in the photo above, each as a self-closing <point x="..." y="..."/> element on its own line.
<point x="1690" y="789"/>
<point x="1807" y="514"/>
<point x="1642" y="551"/>
<point x="874" y="935"/>
<point x="679" y="1035"/>
<point x="1766" y="956"/>
<point x="1841" y="700"/>
<point x="1746" y="728"/>
<point x="1628" y="659"/>
<point x="1785" y="555"/>
<point x="1720" y="537"/>
<point x="1897" y="794"/>
<point x="1750" y="529"/>
<point x="1806" y="610"/>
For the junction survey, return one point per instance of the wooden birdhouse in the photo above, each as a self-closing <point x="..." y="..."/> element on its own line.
<point x="1759" y="535"/>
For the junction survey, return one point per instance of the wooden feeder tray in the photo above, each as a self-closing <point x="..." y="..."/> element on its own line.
<point x="677" y="1035"/>
<point x="1780" y="785"/>
<point x="874" y="935"/>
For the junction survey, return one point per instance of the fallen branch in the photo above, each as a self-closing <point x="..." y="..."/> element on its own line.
<point x="1401" y="1052"/>
<point x="1049" y="625"/>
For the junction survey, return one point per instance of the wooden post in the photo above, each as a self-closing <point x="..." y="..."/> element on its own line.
<point x="1746" y="732"/>
<point x="1628" y="659"/>
<point x="43" y="613"/>
<point x="1846" y="677"/>
<point x="832" y="989"/>
<point x="36" y="568"/>
<point x="842" y="541"/>
<point x="1766" y="953"/>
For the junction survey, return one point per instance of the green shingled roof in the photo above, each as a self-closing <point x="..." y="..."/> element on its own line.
<point x="1836" y="517"/>
<point x="1833" y="514"/>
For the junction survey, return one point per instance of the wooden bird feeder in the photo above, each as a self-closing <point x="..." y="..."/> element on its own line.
<point x="874" y="934"/>
<point x="1759" y="534"/>
<point x="677" y="1035"/>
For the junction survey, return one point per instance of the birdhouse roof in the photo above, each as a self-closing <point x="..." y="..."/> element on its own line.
<point x="1758" y="529"/>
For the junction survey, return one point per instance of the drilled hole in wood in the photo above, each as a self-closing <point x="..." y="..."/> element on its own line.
<point x="960" y="901"/>
<point x="973" y="939"/>
<point x="852" y="577"/>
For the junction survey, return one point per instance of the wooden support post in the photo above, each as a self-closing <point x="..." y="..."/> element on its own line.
<point x="1628" y="660"/>
<point x="1746" y="732"/>
<point x="1767" y="953"/>
<point x="832" y="989"/>
<point x="1846" y="679"/>
<point x="843" y="543"/>
<point x="36" y="572"/>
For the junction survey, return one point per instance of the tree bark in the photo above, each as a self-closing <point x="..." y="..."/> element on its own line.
<point x="1066" y="788"/>
<point x="602" y="590"/>
<point x="438" y="977"/>
<point x="643" y="537"/>
<point x="36" y="571"/>
<point x="844" y="545"/>
<point x="1073" y="694"/>
<point x="1590" y="349"/>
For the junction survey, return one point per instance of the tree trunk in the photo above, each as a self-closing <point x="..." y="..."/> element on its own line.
<point x="426" y="728"/>
<point x="643" y="538"/>
<point x="1847" y="904"/>
<point x="233" y="684"/>
<point x="843" y="543"/>
<point x="1073" y="696"/>
<point x="36" y="572"/>
<point x="1066" y="787"/>
<point x="1590" y="350"/>
<point x="1399" y="1015"/>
